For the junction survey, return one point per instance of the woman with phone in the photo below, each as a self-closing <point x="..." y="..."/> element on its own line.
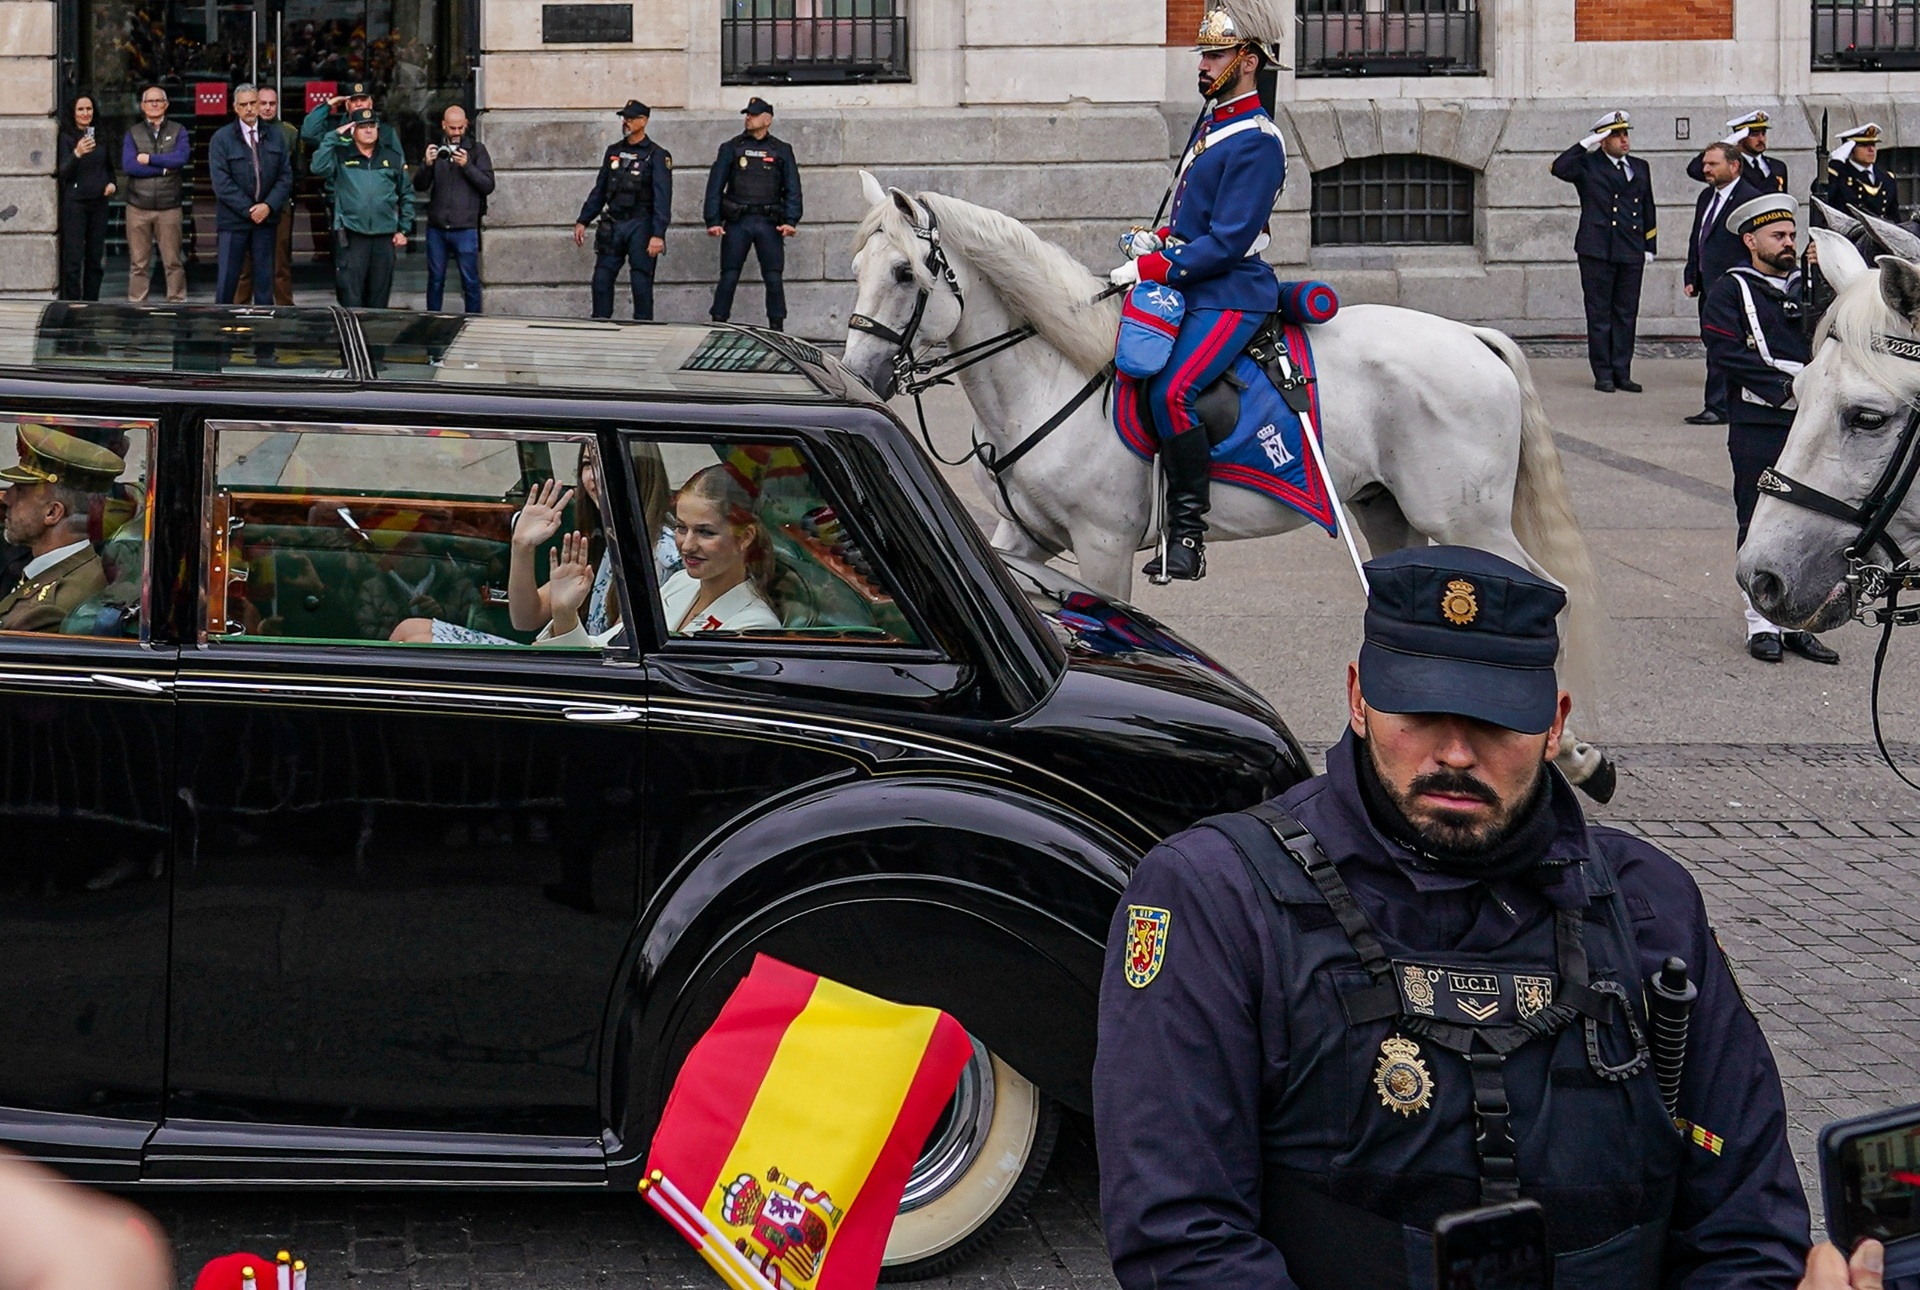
<point x="86" y="182"/>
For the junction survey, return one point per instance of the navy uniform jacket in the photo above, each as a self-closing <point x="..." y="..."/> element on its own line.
<point x="650" y="169"/>
<point x="1192" y="1067"/>
<point x="1762" y="171"/>
<point x="1618" y="221"/>
<point x="1713" y="254"/>
<point x="1760" y="360"/>
<point x="1220" y="210"/>
<point x="745" y="168"/>
<point x="1873" y="191"/>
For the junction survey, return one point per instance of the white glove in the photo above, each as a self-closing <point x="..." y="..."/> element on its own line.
<point x="1592" y="141"/>
<point x="1126" y="275"/>
<point x="1649" y="257"/>
<point x="1137" y="242"/>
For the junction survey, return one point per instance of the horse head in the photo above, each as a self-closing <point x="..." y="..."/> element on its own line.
<point x="908" y="292"/>
<point x="1855" y="398"/>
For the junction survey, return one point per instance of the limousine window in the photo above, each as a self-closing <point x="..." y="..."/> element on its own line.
<point x="750" y="544"/>
<point x="397" y="537"/>
<point x="76" y="504"/>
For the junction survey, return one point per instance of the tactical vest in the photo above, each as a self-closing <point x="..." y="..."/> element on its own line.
<point x="754" y="185"/>
<point x="155" y="192"/>
<point x="630" y="186"/>
<point x="1421" y="1084"/>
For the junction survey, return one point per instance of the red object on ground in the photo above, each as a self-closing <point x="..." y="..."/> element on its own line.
<point x="223" y="1273"/>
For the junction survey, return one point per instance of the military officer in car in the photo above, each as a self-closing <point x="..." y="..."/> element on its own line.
<point x="633" y="199"/>
<point x="58" y="484"/>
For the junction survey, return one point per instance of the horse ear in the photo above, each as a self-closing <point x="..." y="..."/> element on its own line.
<point x="908" y="207"/>
<point x="1900" y="287"/>
<point x="871" y="190"/>
<point x="1840" y="260"/>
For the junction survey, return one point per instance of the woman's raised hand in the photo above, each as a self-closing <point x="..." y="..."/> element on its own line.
<point x="569" y="576"/>
<point x="540" y="518"/>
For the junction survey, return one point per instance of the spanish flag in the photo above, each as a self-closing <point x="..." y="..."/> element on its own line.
<point x="787" y="1140"/>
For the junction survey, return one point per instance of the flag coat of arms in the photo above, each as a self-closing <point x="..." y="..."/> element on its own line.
<point x="788" y="1138"/>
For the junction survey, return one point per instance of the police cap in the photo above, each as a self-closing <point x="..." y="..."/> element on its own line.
<point x="49" y="456"/>
<point x="363" y="116"/>
<point x="757" y="105"/>
<point x="1761" y="211"/>
<point x="1462" y="632"/>
<point x="633" y="109"/>
<point x="358" y="90"/>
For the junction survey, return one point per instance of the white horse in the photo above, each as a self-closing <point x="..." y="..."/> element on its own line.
<point x="1433" y="429"/>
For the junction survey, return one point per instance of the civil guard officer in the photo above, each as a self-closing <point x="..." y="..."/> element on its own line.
<point x="1756" y="167"/>
<point x="1855" y="176"/>
<point x="1617" y="238"/>
<point x="753" y="201"/>
<point x="1754" y="332"/>
<point x="633" y="196"/>
<point x="1416" y="984"/>
<point x="1224" y="191"/>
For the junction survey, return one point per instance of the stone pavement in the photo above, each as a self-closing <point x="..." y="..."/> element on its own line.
<point x="1762" y="780"/>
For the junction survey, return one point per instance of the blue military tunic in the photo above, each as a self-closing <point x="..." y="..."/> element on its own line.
<point x="1228" y="1069"/>
<point x="1232" y="176"/>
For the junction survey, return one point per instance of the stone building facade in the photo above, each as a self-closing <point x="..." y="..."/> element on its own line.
<point x="1066" y="114"/>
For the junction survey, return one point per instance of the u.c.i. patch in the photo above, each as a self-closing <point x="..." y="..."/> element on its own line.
<point x="1146" y="943"/>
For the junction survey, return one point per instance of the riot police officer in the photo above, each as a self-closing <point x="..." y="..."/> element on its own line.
<point x="633" y="197"/>
<point x="1416" y="984"/>
<point x="753" y="200"/>
<point x="1855" y="176"/>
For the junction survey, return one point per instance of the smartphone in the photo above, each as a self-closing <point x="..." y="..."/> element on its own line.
<point x="89" y="132"/>
<point x="1870" y="1179"/>
<point x="1498" y="1247"/>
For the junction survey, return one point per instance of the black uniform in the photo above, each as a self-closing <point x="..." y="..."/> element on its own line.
<point x="1711" y="251"/>
<point x="1618" y="231"/>
<point x="1758" y="169"/>
<point x="1754" y="334"/>
<point x="753" y="188"/>
<point x="633" y="196"/>
<point x="1870" y="188"/>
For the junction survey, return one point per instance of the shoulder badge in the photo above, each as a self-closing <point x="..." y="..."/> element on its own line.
<point x="1401" y="1078"/>
<point x="1459" y="606"/>
<point x="667" y="157"/>
<point x="1146" y="943"/>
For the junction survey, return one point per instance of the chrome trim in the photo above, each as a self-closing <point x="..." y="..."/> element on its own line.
<point x="527" y="704"/>
<point x="603" y="716"/>
<point x="958" y="1138"/>
<point x="136" y="684"/>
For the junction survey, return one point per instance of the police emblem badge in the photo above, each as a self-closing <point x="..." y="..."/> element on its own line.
<point x="1146" y="943"/>
<point x="1401" y="1078"/>
<point x="1459" y="606"/>
<point x="1532" y="994"/>
<point x="1419" y="989"/>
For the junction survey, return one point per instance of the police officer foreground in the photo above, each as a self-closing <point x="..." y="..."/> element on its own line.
<point x="753" y="201"/>
<point x="1616" y="240"/>
<point x="633" y="198"/>
<point x="1431" y="998"/>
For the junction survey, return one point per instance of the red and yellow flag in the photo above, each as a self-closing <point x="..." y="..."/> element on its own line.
<point x="786" y="1143"/>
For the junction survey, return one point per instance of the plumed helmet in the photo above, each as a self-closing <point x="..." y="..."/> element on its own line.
<point x="1259" y="25"/>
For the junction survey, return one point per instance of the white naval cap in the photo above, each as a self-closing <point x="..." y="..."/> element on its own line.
<point x="1868" y="133"/>
<point x="1754" y="120"/>
<point x="1761" y="211"/>
<point x="1613" y="121"/>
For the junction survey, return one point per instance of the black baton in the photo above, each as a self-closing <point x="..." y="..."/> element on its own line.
<point x="1670" y="1009"/>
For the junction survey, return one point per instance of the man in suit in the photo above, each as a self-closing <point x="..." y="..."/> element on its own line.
<point x="1757" y="168"/>
<point x="252" y="182"/>
<point x="1616" y="241"/>
<point x="1712" y="249"/>
<point x="283" y="234"/>
<point x="57" y="484"/>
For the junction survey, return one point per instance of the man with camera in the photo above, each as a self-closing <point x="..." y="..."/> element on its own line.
<point x="633" y="198"/>
<point x="753" y="201"/>
<point x="456" y="175"/>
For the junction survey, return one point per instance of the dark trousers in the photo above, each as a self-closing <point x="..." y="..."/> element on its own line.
<point x="464" y="245"/>
<point x="1612" y="294"/>
<point x="759" y="233"/>
<point x="363" y="269"/>
<point x="83" y="248"/>
<point x="1753" y="447"/>
<point x="1716" y="394"/>
<point x="253" y="244"/>
<point x="282" y="262"/>
<point x="626" y="244"/>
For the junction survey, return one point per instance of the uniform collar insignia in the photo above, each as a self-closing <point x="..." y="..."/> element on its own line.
<point x="1237" y="107"/>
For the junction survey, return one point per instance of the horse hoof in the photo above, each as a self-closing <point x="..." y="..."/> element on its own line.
<point x="1602" y="783"/>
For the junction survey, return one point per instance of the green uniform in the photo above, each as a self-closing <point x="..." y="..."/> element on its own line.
<point x="323" y="123"/>
<point x="42" y="603"/>
<point x="371" y="195"/>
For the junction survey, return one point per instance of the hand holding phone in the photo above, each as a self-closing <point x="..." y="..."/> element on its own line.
<point x="1870" y="1179"/>
<point x="1498" y="1247"/>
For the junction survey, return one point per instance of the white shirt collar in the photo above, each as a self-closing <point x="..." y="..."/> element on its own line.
<point x="41" y="563"/>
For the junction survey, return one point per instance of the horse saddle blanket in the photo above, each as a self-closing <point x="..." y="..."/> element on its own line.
<point x="1257" y="437"/>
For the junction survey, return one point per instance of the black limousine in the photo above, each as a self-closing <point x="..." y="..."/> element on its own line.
<point x="435" y="714"/>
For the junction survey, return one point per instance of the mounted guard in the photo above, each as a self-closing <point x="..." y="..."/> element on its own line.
<point x="1223" y="194"/>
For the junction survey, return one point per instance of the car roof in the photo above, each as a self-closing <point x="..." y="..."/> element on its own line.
<point x="405" y="348"/>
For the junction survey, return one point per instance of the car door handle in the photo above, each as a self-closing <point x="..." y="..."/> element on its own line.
<point x="602" y="716"/>
<point x="135" y="684"/>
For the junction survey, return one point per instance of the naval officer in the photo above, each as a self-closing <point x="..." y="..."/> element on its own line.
<point x="1616" y="241"/>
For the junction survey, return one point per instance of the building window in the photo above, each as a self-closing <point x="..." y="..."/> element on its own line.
<point x="1873" y="35"/>
<point x="1388" y="37"/>
<point x="791" y="42"/>
<point x="1401" y="200"/>
<point x="1904" y="165"/>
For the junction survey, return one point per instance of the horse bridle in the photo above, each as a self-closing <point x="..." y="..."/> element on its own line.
<point x="909" y="369"/>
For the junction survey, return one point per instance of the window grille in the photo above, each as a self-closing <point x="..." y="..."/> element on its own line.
<point x="1874" y="35"/>
<point x="1397" y="200"/>
<point x="1389" y="37"/>
<point x="764" y="42"/>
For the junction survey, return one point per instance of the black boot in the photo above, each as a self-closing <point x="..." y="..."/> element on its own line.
<point x="1187" y="459"/>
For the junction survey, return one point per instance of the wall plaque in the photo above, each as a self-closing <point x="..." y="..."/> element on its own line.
<point x="586" y="24"/>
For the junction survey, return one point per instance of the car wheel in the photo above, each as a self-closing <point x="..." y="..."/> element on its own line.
<point x="980" y="1166"/>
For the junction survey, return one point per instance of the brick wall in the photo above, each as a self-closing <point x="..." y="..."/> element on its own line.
<point x="1644" y="19"/>
<point x="1183" y="19"/>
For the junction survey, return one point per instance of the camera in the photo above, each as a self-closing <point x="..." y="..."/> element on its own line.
<point x="1870" y="1177"/>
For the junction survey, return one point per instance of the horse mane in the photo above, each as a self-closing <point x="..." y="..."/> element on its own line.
<point x="1041" y="284"/>
<point x="1859" y="313"/>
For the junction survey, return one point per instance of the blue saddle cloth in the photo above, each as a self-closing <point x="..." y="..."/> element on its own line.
<point x="1268" y="450"/>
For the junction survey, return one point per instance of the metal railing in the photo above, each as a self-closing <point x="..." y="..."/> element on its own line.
<point x="759" y="48"/>
<point x="1388" y="38"/>
<point x="1850" y="35"/>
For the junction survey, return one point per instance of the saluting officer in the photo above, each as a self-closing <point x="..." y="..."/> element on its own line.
<point x="1615" y="243"/>
<point x="753" y="200"/>
<point x="1754" y="333"/>
<point x="633" y="196"/>
<point x="1856" y="178"/>
<point x="1756" y="167"/>
<point x="1416" y="984"/>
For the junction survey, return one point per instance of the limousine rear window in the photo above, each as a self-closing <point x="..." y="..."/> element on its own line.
<point x="118" y="337"/>
<point x="577" y="354"/>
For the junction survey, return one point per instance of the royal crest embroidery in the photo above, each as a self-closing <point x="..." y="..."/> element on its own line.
<point x="1459" y="606"/>
<point x="1532" y="994"/>
<point x="1401" y="1078"/>
<point x="788" y="1225"/>
<point x="1146" y="943"/>
<point x="1419" y="989"/>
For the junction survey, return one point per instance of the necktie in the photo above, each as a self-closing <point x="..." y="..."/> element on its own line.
<point x="1713" y="215"/>
<point x="1622" y="163"/>
<point x="253" y="146"/>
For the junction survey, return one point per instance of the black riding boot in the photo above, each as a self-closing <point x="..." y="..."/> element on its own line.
<point x="1187" y="459"/>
